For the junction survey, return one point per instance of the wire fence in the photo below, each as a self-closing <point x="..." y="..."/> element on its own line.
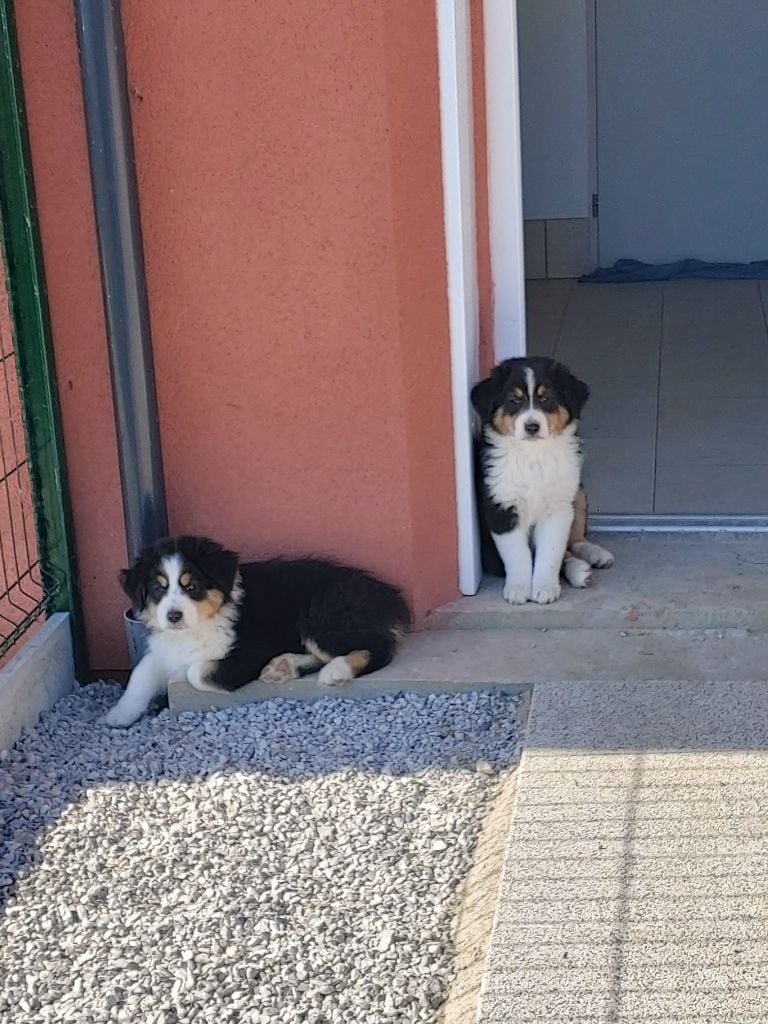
<point x="23" y="596"/>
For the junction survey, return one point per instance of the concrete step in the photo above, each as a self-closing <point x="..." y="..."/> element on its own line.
<point x="659" y="581"/>
<point x="460" y="659"/>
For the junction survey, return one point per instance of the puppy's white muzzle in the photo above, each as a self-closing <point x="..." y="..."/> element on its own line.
<point x="531" y="426"/>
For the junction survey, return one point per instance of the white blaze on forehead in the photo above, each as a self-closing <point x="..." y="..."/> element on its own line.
<point x="172" y="566"/>
<point x="175" y="599"/>
<point x="531" y="382"/>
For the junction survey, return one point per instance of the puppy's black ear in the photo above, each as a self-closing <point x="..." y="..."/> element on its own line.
<point x="135" y="581"/>
<point x="487" y="394"/>
<point x="216" y="563"/>
<point x="573" y="392"/>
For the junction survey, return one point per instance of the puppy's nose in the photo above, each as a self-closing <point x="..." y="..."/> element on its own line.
<point x="531" y="428"/>
<point x="174" y="616"/>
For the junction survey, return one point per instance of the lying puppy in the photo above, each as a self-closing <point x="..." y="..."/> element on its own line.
<point x="529" y="479"/>
<point x="220" y="624"/>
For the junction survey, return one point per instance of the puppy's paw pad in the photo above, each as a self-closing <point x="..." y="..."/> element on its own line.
<point x="335" y="673"/>
<point x="279" y="670"/>
<point x="517" y="593"/>
<point x="545" y="593"/>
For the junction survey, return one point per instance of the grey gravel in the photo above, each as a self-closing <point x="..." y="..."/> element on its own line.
<point x="278" y="862"/>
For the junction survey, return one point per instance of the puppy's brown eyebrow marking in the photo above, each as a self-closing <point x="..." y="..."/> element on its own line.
<point x="161" y="580"/>
<point x="185" y="578"/>
<point x="518" y="392"/>
<point x="541" y="390"/>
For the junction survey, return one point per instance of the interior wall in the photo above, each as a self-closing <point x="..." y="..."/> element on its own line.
<point x="682" y="95"/>
<point x="556" y="118"/>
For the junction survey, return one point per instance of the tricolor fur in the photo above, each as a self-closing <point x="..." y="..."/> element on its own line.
<point x="529" y="479"/>
<point x="219" y="624"/>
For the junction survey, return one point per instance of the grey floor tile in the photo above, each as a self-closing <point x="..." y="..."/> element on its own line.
<point x="716" y="431"/>
<point x="618" y="475"/>
<point x="713" y="328"/>
<point x="546" y="302"/>
<point x="620" y="407"/>
<point x="711" y="490"/>
<point x="568" y="248"/>
<point x="703" y="384"/>
<point x="677" y="422"/>
<point x="612" y="330"/>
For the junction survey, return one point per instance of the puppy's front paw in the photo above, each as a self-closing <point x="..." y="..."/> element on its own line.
<point x="517" y="591"/>
<point x="119" y="718"/>
<point x="337" y="672"/>
<point x="546" y="592"/>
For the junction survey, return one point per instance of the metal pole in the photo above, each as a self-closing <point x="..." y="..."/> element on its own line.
<point x="121" y="255"/>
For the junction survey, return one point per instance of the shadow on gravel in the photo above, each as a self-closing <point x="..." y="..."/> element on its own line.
<point x="70" y="753"/>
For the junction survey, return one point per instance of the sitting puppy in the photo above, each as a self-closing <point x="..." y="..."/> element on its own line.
<point x="219" y="624"/>
<point x="529" y="479"/>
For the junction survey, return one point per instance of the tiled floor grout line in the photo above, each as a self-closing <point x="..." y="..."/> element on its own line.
<point x="761" y="297"/>
<point x="658" y="396"/>
<point x="562" y="317"/>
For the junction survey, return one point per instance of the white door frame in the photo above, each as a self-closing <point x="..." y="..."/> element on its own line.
<point x="505" y="178"/>
<point x="505" y="213"/>
<point x="458" y="160"/>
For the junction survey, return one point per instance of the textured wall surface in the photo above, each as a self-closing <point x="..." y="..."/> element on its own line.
<point x="289" y="167"/>
<point x="51" y="72"/>
<point x="290" y="184"/>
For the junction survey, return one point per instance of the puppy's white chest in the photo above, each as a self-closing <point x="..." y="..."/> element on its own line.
<point x="536" y="477"/>
<point x="177" y="650"/>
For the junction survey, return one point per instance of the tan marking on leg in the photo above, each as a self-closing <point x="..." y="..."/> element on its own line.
<point x="210" y="605"/>
<point x="579" y="525"/>
<point x="358" y="661"/>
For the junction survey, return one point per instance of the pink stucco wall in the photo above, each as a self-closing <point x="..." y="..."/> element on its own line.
<point x="48" y="50"/>
<point x="289" y="169"/>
